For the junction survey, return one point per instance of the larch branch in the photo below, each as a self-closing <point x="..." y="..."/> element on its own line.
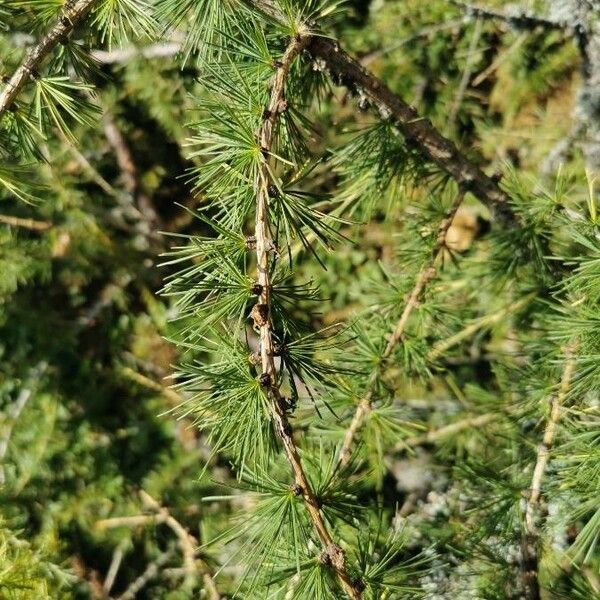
<point x="262" y="316"/>
<point x="417" y="130"/>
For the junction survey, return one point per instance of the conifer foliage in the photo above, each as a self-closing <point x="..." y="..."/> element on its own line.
<point x="384" y="360"/>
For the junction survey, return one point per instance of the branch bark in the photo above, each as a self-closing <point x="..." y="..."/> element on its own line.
<point x="435" y="435"/>
<point x="428" y="272"/>
<point x="333" y="553"/>
<point x="73" y="13"/>
<point x="151" y="571"/>
<point x="192" y="565"/>
<point x="187" y="543"/>
<point x="25" y="223"/>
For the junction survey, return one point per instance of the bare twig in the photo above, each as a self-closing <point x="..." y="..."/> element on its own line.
<point x="466" y="76"/>
<point x="530" y="550"/>
<point x="113" y="569"/>
<point x="435" y="435"/>
<point x="129" y="173"/>
<point x="472" y="328"/>
<point x="427" y="273"/>
<point x="333" y="553"/>
<point x="85" y="164"/>
<point x="149" y="383"/>
<point x="73" y="13"/>
<point x="121" y="55"/>
<point x="133" y="521"/>
<point x="426" y="32"/>
<point x="25" y="223"/>
<point x="188" y="544"/>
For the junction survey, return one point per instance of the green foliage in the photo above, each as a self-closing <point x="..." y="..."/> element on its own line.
<point x="121" y="154"/>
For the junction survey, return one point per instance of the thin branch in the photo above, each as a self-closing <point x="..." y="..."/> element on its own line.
<point x="121" y="55"/>
<point x="466" y="77"/>
<point x="426" y="32"/>
<point x="113" y="569"/>
<point x="25" y="223"/>
<point x="485" y="321"/>
<point x="530" y="548"/>
<point x="149" y="218"/>
<point x="333" y="553"/>
<point x="417" y="130"/>
<point x="134" y="521"/>
<point x="149" y="383"/>
<point x="188" y="544"/>
<point x="123" y="154"/>
<point x="85" y="164"/>
<point x="428" y="272"/>
<point x="73" y="13"/>
<point x="435" y="435"/>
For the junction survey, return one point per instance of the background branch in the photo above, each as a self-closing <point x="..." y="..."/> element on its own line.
<point x="427" y="273"/>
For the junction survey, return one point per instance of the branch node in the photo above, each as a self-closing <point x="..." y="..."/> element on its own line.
<point x="260" y="314"/>
<point x="265" y="380"/>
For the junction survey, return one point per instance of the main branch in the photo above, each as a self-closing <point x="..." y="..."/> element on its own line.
<point x="427" y="273"/>
<point x="73" y="13"/>
<point x="332" y="552"/>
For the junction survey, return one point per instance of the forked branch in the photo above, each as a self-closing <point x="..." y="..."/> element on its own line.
<point x="417" y="130"/>
<point x="261" y="313"/>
